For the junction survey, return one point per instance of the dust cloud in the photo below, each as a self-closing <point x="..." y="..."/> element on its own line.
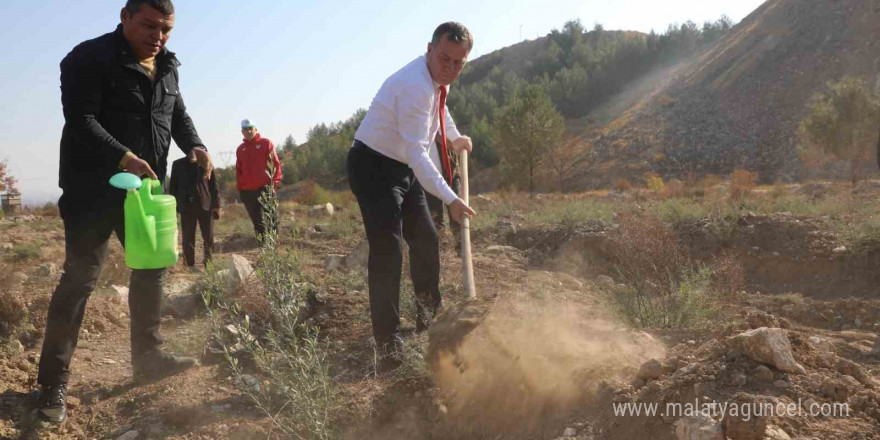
<point x="530" y="360"/>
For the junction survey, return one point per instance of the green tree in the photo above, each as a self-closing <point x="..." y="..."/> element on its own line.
<point x="3" y="168"/>
<point x="841" y="124"/>
<point x="526" y="130"/>
<point x="288" y="144"/>
<point x="7" y="182"/>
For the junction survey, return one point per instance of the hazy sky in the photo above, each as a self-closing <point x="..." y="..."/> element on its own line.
<point x="289" y="65"/>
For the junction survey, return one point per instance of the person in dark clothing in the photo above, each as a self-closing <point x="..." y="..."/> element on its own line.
<point x="122" y="107"/>
<point x="435" y="205"/>
<point x="198" y="202"/>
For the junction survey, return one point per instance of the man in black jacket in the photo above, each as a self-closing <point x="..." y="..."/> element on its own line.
<point x="198" y="201"/>
<point x="122" y="107"/>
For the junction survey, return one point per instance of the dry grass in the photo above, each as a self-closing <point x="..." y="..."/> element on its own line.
<point x="664" y="287"/>
<point x="742" y="182"/>
<point x="623" y="185"/>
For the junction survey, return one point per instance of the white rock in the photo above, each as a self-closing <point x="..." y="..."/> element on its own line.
<point x="839" y="250"/>
<point x="8" y="246"/>
<point x="122" y="291"/>
<point x="775" y="433"/>
<point x="240" y="270"/>
<point x="325" y="210"/>
<point x="569" y="432"/>
<point x="768" y="346"/>
<point x="698" y="428"/>
<point x="333" y="262"/>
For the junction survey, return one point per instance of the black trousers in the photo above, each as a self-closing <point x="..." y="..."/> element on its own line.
<point x="189" y="216"/>
<point x="251" y="200"/>
<point x="436" y="206"/>
<point x="87" y="233"/>
<point x="394" y="209"/>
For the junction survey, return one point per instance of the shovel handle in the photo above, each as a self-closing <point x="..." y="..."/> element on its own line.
<point x="467" y="262"/>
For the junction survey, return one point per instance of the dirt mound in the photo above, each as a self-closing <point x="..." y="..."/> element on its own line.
<point x="780" y="253"/>
<point x="739" y="104"/>
<point x="714" y="374"/>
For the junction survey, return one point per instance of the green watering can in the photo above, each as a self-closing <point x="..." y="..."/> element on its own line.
<point x="150" y="223"/>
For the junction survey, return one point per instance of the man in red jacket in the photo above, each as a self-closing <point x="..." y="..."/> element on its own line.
<point x="257" y="171"/>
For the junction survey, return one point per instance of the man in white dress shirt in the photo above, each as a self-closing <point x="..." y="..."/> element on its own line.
<point x="388" y="168"/>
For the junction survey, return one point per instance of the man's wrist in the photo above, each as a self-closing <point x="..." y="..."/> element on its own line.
<point x="123" y="163"/>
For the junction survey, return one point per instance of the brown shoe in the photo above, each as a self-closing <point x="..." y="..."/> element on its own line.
<point x="157" y="364"/>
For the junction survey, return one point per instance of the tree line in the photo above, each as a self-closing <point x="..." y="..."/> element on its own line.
<point x="516" y="117"/>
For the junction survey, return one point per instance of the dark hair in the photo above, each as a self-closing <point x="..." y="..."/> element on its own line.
<point x="163" y="6"/>
<point x="455" y="32"/>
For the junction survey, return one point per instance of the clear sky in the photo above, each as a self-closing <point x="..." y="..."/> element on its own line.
<point x="286" y="64"/>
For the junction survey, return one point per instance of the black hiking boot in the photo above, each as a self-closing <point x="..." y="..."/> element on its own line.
<point x="52" y="406"/>
<point x="157" y="364"/>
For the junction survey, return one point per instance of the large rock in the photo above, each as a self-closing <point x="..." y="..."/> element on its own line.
<point x="768" y="346"/>
<point x="650" y="370"/>
<point x="240" y="270"/>
<point x="698" y="428"/>
<point x="854" y="370"/>
<point x="183" y="306"/>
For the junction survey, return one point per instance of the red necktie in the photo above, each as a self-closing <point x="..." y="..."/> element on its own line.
<point x="444" y="155"/>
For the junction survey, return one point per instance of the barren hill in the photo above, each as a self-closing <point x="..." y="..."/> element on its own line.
<point x="739" y="103"/>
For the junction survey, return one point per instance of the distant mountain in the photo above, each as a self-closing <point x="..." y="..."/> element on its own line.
<point x="739" y="103"/>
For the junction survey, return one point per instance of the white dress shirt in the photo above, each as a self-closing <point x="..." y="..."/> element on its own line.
<point x="403" y="120"/>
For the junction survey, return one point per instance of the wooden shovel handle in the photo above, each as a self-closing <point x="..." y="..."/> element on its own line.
<point x="467" y="261"/>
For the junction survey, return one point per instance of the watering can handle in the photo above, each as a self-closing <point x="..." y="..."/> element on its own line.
<point x="147" y="222"/>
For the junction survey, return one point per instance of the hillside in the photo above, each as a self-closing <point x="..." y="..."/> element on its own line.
<point x="739" y="103"/>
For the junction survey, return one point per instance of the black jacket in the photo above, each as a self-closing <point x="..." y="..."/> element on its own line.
<point x="190" y="188"/>
<point x="111" y="107"/>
